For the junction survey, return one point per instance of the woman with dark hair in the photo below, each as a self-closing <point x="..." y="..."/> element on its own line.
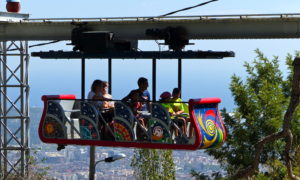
<point x="95" y="93"/>
<point x="104" y="105"/>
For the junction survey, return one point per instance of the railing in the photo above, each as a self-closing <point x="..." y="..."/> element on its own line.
<point x="67" y="120"/>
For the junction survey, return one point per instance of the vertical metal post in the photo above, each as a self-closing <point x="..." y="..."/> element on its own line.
<point x="82" y="78"/>
<point x="180" y="74"/>
<point x="27" y="108"/>
<point x="92" y="148"/>
<point x="110" y="75"/>
<point x="22" y="108"/>
<point x="1" y="112"/>
<point x="154" y="79"/>
<point x="5" y="107"/>
<point x="92" y="163"/>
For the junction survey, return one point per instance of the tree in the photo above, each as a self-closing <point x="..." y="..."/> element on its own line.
<point x="217" y="175"/>
<point x="199" y="176"/>
<point x="153" y="164"/>
<point x="261" y="127"/>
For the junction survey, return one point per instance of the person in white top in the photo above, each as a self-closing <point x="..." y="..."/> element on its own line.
<point x="95" y="93"/>
<point x="101" y="99"/>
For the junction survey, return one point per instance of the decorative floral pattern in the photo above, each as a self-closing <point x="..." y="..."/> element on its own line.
<point x="88" y="130"/>
<point x="53" y="128"/>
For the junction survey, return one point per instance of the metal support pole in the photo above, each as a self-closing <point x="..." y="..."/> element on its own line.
<point x="4" y="108"/>
<point x="154" y="79"/>
<point x="92" y="148"/>
<point x="27" y="108"/>
<point x="82" y="78"/>
<point x="22" y="109"/>
<point x="180" y="74"/>
<point x="1" y="112"/>
<point x="110" y="75"/>
<point x="92" y="163"/>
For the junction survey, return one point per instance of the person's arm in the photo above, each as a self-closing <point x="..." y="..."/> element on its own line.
<point x="179" y="108"/>
<point x="179" y="112"/>
<point x="106" y="101"/>
<point x="149" y="108"/>
<point x="170" y="109"/>
<point x="126" y="98"/>
<point x="97" y="97"/>
<point x="93" y="96"/>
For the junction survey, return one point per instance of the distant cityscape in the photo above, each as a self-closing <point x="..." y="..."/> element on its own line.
<point x="72" y="163"/>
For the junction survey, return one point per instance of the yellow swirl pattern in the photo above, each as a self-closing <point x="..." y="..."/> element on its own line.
<point x="211" y="127"/>
<point x="211" y="131"/>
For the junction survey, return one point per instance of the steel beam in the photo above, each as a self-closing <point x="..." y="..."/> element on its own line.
<point x="135" y="55"/>
<point x="255" y="26"/>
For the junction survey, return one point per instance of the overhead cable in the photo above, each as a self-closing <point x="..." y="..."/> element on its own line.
<point x="35" y="45"/>
<point x="42" y="44"/>
<point x="187" y="8"/>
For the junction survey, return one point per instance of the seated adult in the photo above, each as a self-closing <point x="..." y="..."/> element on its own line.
<point x="101" y="99"/>
<point x="95" y="93"/>
<point x="144" y="95"/>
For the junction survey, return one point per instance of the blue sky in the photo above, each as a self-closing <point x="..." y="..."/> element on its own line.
<point x="202" y="78"/>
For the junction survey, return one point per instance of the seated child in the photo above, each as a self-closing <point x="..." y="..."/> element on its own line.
<point x="177" y="104"/>
<point x="166" y="102"/>
<point x="133" y="101"/>
<point x="107" y="103"/>
<point x="178" y="107"/>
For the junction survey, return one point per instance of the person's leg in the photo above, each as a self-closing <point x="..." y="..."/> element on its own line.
<point x="182" y="125"/>
<point x="191" y="128"/>
<point x="142" y="122"/>
<point x="107" y="134"/>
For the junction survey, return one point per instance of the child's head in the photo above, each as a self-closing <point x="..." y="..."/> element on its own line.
<point x="104" y="87"/>
<point x="96" y="86"/>
<point x="176" y="93"/>
<point x="165" y="96"/>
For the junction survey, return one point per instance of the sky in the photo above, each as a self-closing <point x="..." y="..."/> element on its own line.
<point x="201" y="78"/>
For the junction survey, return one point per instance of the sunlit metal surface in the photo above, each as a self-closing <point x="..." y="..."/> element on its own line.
<point x="256" y="26"/>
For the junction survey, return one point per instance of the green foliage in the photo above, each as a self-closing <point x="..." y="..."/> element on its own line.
<point x="261" y="101"/>
<point x="275" y="170"/>
<point x="296" y="162"/>
<point x="199" y="176"/>
<point x="203" y="176"/>
<point x="36" y="171"/>
<point x="153" y="164"/>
